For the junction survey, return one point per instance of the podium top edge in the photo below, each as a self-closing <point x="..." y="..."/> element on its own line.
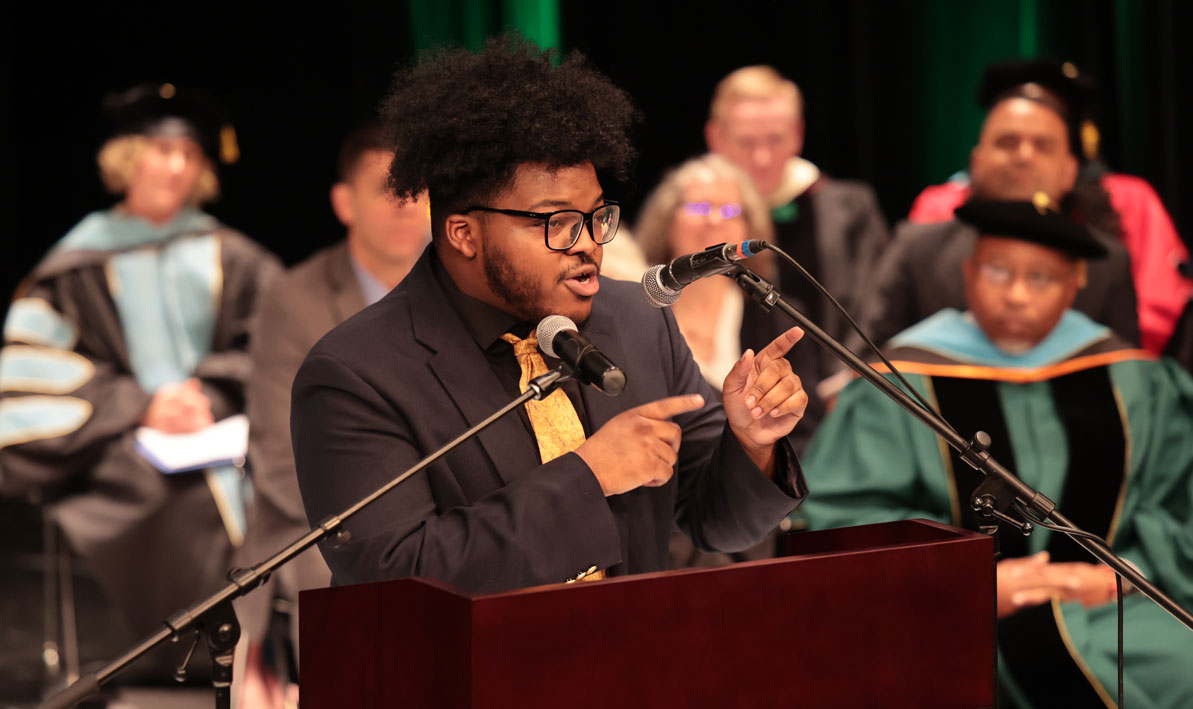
<point x="845" y="541"/>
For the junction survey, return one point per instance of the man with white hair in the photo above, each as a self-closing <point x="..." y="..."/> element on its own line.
<point x="833" y="228"/>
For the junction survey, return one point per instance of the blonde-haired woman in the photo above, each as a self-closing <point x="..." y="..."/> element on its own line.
<point x="137" y="318"/>
<point x="706" y="201"/>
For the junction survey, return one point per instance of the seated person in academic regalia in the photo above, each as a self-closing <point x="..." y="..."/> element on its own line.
<point x="1123" y="207"/>
<point x="1103" y="429"/>
<point x="138" y="317"/>
<point x="1024" y="147"/>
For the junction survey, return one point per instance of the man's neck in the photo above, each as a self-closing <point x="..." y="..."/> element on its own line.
<point x="156" y="219"/>
<point x="467" y="276"/>
<point x="484" y="322"/>
<point x="389" y="273"/>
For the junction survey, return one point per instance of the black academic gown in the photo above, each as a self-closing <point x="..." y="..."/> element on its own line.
<point x="154" y="542"/>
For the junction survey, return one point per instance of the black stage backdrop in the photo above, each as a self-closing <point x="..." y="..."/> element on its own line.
<point x="889" y="90"/>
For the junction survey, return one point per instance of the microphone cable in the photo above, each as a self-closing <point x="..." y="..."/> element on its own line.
<point x="857" y="328"/>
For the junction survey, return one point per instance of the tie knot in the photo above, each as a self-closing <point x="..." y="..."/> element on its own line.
<point x="523" y="347"/>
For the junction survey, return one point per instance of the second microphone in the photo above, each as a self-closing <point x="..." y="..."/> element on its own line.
<point x="559" y="337"/>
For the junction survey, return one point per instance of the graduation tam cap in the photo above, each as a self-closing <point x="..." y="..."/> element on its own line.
<point x="1060" y="86"/>
<point x="1036" y="221"/>
<point x="166" y="110"/>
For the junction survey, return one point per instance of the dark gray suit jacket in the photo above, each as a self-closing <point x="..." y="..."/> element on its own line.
<point x="920" y="274"/>
<point x="403" y="377"/>
<point x="302" y="306"/>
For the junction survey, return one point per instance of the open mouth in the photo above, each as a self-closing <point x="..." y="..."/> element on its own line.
<point x="583" y="282"/>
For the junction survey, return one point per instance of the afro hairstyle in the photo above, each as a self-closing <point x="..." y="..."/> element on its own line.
<point x="461" y="123"/>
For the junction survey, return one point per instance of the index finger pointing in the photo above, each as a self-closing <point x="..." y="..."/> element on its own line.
<point x="671" y="406"/>
<point x="778" y="347"/>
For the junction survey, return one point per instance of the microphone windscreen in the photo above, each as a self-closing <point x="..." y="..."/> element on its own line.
<point x="656" y="293"/>
<point x="548" y="328"/>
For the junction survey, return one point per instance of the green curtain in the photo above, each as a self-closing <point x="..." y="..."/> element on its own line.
<point x="467" y="23"/>
<point x="961" y="38"/>
<point x="1128" y="38"/>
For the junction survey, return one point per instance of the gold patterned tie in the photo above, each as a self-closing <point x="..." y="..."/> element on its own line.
<point x="554" y="420"/>
<point x="556" y="425"/>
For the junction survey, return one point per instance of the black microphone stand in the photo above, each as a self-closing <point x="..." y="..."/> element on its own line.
<point x="1001" y="493"/>
<point x="213" y="617"/>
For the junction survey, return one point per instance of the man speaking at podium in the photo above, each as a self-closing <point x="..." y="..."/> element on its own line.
<point x="509" y="143"/>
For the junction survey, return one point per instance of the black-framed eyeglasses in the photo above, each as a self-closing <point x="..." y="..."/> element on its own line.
<point x="561" y="229"/>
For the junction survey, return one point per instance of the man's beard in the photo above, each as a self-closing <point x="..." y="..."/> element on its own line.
<point x="520" y="291"/>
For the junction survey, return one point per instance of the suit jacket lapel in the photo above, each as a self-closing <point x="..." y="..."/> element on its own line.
<point x="601" y="329"/>
<point x="462" y="369"/>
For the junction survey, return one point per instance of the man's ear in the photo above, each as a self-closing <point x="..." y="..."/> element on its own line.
<point x="974" y="156"/>
<point x="712" y="135"/>
<point x="341" y="203"/>
<point x="462" y="233"/>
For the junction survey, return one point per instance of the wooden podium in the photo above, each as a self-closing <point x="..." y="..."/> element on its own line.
<point x="885" y="615"/>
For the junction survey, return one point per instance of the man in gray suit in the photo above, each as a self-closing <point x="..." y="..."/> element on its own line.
<point x="383" y="242"/>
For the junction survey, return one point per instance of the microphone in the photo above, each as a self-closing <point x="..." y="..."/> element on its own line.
<point x="662" y="283"/>
<point x="559" y="338"/>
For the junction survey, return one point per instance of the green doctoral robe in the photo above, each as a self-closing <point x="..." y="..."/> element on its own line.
<point x="1103" y="430"/>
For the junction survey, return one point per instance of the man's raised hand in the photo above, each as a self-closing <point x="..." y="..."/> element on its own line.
<point x="764" y="399"/>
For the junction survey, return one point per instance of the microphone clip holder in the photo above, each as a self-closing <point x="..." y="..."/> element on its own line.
<point x="544" y="384"/>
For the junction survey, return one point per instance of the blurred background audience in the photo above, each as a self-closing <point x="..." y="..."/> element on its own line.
<point x="833" y="228"/>
<point x="138" y="319"/>
<point x="704" y="202"/>
<point x="384" y="238"/>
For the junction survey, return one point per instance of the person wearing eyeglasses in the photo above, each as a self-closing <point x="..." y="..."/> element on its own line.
<point x="1076" y="412"/>
<point x="1025" y="145"/>
<point x="515" y="151"/>
<point x="704" y="202"/>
